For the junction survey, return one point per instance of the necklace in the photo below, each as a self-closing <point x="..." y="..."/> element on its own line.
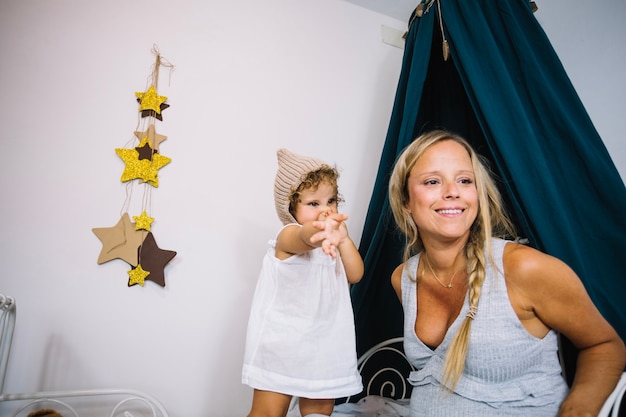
<point x="432" y="271"/>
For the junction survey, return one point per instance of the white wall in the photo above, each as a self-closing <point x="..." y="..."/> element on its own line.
<point x="250" y="77"/>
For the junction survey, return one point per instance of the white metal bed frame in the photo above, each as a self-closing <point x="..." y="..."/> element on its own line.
<point x="388" y="381"/>
<point x="121" y="402"/>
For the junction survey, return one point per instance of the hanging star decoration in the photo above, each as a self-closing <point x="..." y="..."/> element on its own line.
<point x="145" y="151"/>
<point x="134" y="243"/>
<point x="153" y="137"/>
<point x="120" y="241"/>
<point x="151" y="104"/>
<point x="146" y="168"/>
<point x="137" y="276"/>
<point x="153" y="113"/>
<point x="154" y="259"/>
<point x="143" y="221"/>
<point x="150" y="100"/>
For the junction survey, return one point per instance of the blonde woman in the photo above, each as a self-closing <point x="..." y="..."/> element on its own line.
<point x="482" y="313"/>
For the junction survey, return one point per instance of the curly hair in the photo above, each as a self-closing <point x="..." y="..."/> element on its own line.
<point x="311" y="181"/>
<point x="491" y="220"/>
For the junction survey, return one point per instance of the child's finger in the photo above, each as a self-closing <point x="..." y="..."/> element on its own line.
<point x="329" y="249"/>
<point x="339" y="217"/>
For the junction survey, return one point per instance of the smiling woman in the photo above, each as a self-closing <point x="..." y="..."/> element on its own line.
<point x="481" y="92"/>
<point x="447" y="205"/>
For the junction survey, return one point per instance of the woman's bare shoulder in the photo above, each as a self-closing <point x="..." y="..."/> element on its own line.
<point x="396" y="280"/>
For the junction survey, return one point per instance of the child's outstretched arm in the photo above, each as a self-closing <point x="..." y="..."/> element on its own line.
<point x="294" y="239"/>
<point x="334" y="236"/>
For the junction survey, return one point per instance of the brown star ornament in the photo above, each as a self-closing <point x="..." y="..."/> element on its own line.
<point x="144" y="151"/>
<point x="153" y="259"/>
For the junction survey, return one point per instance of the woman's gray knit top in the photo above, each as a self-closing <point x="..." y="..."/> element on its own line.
<point x="508" y="372"/>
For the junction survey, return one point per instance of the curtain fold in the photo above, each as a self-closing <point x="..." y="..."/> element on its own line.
<point x="378" y="314"/>
<point x="505" y="90"/>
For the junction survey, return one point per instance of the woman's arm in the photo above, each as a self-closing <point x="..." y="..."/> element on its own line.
<point x="554" y="296"/>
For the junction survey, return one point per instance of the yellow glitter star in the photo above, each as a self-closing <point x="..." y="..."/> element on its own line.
<point x="135" y="168"/>
<point x="143" y="221"/>
<point x="150" y="100"/>
<point x="158" y="162"/>
<point x="143" y="169"/>
<point x="137" y="276"/>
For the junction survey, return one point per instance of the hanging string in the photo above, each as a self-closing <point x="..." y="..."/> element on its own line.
<point x="160" y="62"/>
<point x="129" y="194"/>
<point x="445" y="46"/>
<point x="146" y="204"/>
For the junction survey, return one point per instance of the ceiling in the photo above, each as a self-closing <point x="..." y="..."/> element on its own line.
<point x="398" y="9"/>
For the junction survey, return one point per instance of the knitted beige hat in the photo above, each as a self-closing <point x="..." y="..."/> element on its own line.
<point x="291" y="171"/>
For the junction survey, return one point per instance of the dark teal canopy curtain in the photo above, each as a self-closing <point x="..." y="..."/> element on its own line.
<point x="504" y="89"/>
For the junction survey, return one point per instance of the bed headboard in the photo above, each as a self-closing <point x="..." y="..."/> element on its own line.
<point x="72" y="403"/>
<point x="384" y="369"/>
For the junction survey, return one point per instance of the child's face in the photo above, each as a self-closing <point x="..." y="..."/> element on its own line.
<point x="316" y="204"/>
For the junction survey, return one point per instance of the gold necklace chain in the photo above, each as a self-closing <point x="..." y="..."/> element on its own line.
<point x="432" y="271"/>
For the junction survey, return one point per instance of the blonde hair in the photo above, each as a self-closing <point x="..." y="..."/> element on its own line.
<point x="491" y="220"/>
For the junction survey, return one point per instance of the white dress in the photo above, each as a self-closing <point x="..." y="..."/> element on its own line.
<point x="301" y="337"/>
